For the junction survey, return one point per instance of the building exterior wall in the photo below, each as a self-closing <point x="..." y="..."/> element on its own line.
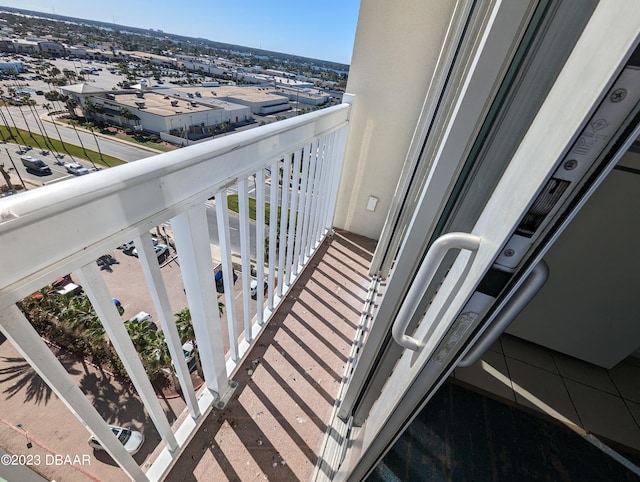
<point x="305" y="95"/>
<point x="11" y="66"/>
<point x="55" y="48"/>
<point x="192" y="63"/>
<point x="278" y="104"/>
<point x="6" y="45"/>
<point x="165" y="123"/>
<point x="23" y="46"/>
<point x="77" y="51"/>
<point x="382" y="124"/>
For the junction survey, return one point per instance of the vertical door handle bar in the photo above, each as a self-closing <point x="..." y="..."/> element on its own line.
<point x="426" y="272"/>
<point x="519" y="300"/>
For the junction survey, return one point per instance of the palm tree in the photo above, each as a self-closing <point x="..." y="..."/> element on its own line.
<point x="150" y="345"/>
<point x="55" y="126"/>
<point x="11" y="91"/>
<point x="186" y="332"/>
<point x="78" y="315"/>
<point x="70" y="74"/>
<point x="184" y="325"/>
<point x="125" y="113"/>
<point x="95" y="138"/>
<point x="13" y="121"/>
<point x="71" y="106"/>
<point x="41" y="128"/>
<point x="4" y="121"/>
<point x="73" y="124"/>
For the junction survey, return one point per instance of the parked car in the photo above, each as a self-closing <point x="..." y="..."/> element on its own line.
<point x="219" y="278"/>
<point x="189" y="355"/>
<point x="131" y="439"/>
<point x="62" y="281"/>
<point x="35" y="166"/>
<point x="162" y="251"/>
<point x="65" y="286"/>
<point x="130" y="245"/>
<point x="76" y="169"/>
<point x="254" y="288"/>
<point x="143" y="317"/>
<point x="70" y="289"/>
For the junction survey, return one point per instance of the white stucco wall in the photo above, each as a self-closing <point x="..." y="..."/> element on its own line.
<point x="394" y="57"/>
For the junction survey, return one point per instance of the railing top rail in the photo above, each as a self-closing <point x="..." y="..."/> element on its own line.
<point x="46" y="231"/>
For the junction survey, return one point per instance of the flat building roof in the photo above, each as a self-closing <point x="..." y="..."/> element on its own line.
<point x="158" y="104"/>
<point x="254" y="94"/>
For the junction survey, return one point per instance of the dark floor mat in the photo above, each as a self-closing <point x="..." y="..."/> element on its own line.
<point x="464" y="436"/>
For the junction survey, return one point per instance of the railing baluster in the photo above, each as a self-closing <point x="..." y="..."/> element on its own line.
<point x="338" y="160"/>
<point x="319" y="221"/>
<point x="98" y="293"/>
<point x="314" y="196"/>
<point x="260" y="213"/>
<point x="222" y="218"/>
<point x="293" y="213"/>
<point x="328" y="162"/>
<point x="192" y="240"/>
<point x="306" y="249"/>
<point x="284" y="205"/>
<point x="160" y="298"/>
<point x="302" y="201"/>
<point x="273" y="230"/>
<point x="243" y="207"/>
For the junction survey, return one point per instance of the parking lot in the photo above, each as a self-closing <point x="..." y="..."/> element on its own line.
<point x="125" y="280"/>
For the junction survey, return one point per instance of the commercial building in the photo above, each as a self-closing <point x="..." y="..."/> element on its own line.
<point x="31" y="46"/>
<point x="261" y="100"/>
<point x="157" y="111"/>
<point x="11" y="67"/>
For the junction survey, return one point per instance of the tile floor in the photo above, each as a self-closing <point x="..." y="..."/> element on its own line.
<point x="604" y="403"/>
<point x="274" y="426"/>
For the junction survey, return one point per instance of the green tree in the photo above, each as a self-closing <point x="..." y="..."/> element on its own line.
<point x="150" y="345"/>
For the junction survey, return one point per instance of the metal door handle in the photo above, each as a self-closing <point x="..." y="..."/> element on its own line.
<point x="426" y="272"/>
<point x="519" y="300"/>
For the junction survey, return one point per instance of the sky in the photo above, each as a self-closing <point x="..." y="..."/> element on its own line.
<point x="320" y="30"/>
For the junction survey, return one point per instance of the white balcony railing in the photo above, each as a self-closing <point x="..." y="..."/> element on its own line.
<point x="61" y="228"/>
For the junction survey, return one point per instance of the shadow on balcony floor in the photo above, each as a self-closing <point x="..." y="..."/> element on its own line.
<point x="462" y="435"/>
<point x="273" y="428"/>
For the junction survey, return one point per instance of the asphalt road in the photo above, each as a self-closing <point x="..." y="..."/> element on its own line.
<point x="126" y="152"/>
<point x="234" y="230"/>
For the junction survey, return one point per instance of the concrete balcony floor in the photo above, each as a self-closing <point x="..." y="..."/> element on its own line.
<point x="274" y="425"/>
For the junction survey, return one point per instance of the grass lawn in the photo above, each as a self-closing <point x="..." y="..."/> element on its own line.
<point x="37" y="141"/>
<point x="232" y="201"/>
<point x="150" y="144"/>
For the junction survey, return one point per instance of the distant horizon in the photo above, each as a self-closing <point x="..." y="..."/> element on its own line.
<point x="325" y="33"/>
